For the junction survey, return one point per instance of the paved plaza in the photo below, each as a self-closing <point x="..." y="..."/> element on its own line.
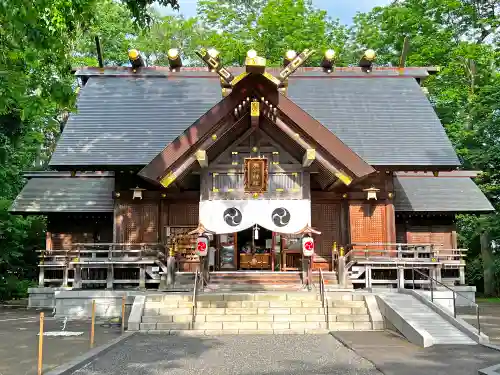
<point x="223" y="355"/>
<point x="363" y="353"/>
<point x="19" y="341"/>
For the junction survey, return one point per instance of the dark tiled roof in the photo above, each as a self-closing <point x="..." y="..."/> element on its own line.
<point x="439" y="194"/>
<point x="387" y="121"/>
<point x="128" y="121"/>
<point x="65" y="194"/>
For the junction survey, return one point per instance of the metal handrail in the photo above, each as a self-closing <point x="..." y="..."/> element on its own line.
<point x="455" y="293"/>
<point x="196" y="278"/>
<point x="323" y="297"/>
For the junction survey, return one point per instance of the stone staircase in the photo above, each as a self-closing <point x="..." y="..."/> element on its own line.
<point x="255" y="313"/>
<point x="255" y="281"/>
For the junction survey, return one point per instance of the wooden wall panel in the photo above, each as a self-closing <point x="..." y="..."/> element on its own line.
<point x="326" y="218"/>
<point x="136" y="222"/>
<point x="368" y="222"/>
<point x="401" y="233"/>
<point x="67" y="230"/>
<point x="439" y="231"/>
<point x="439" y="235"/>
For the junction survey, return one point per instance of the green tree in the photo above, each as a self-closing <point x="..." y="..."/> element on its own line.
<point x="36" y="92"/>
<point x="461" y="36"/>
<point x="270" y="27"/>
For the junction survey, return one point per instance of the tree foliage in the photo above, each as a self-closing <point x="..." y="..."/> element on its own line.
<point x="37" y="45"/>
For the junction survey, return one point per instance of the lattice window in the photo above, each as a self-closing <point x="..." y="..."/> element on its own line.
<point x="326" y="218"/>
<point x="227" y="182"/>
<point x="136" y="222"/>
<point x="367" y="223"/>
<point x="183" y="214"/>
<point x="285" y="182"/>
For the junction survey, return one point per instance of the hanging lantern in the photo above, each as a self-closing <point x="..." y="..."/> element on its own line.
<point x="137" y="193"/>
<point x="256" y="232"/>
<point x="307" y="246"/>
<point x="202" y="246"/>
<point x="371" y="193"/>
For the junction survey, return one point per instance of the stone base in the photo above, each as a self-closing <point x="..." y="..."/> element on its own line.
<point x="43" y="298"/>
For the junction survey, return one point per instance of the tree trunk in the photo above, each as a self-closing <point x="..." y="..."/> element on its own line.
<point x="487" y="256"/>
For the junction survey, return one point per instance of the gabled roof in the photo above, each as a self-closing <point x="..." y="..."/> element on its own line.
<point x="438" y="194"/>
<point x="124" y="120"/>
<point x="59" y="192"/>
<point x="256" y="86"/>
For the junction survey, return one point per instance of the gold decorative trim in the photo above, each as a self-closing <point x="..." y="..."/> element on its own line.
<point x="168" y="179"/>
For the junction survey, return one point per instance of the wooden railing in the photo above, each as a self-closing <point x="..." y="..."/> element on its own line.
<point x="102" y="253"/>
<point x="423" y="252"/>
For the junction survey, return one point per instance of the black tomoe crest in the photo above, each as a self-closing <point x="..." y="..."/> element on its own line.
<point x="232" y="216"/>
<point x="280" y="217"/>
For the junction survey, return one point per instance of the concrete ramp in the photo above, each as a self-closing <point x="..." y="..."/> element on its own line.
<point x="417" y="322"/>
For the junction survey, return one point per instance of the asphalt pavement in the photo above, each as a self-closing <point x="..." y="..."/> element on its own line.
<point x="393" y="355"/>
<point x="19" y="341"/>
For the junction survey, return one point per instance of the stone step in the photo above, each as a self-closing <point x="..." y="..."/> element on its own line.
<point x="349" y="318"/>
<point x="167" y="311"/>
<point x="253" y="287"/>
<point x="164" y="326"/>
<point x="218" y="332"/>
<point x="340" y="296"/>
<point x="169" y="297"/>
<point x="350" y="304"/>
<point x="216" y="328"/>
<point x="167" y="304"/>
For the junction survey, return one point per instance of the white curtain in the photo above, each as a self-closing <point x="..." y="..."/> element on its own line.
<point x="228" y="216"/>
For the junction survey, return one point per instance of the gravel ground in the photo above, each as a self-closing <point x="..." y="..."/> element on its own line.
<point x="238" y="355"/>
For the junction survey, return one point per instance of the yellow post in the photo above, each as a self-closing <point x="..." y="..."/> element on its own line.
<point x="341" y="251"/>
<point x="123" y="314"/>
<point x="92" y="324"/>
<point x="40" y="344"/>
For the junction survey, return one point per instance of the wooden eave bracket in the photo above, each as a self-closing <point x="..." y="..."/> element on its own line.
<point x="201" y="157"/>
<point x="309" y="157"/>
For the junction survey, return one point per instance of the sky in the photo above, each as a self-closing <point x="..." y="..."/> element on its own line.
<point x="342" y="9"/>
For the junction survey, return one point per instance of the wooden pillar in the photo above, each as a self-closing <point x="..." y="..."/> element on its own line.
<point x="461" y="272"/>
<point x="344" y="224"/>
<point x="48" y="241"/>
<point x="454" y="239"/>
<point x="401" y="278"/>
<point x="368" y="276"/>
<point x="65" y="276"/>
<point x="110" y="277"/>
<point x="390" y="217"/>
<point x="77" y="281"/>
<point x="342" y="274"/>
<point x="142" y="276"/>
<point x="41" y="277"/>
<point x="438" y="273"/>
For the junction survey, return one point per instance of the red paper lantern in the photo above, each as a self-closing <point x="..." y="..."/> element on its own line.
<point x="202" y="246"/>
<point x="307" y="246"/>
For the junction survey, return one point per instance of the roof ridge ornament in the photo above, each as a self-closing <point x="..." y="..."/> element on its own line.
<point x="215" y="64"/>
<point x="308" y="230"/>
